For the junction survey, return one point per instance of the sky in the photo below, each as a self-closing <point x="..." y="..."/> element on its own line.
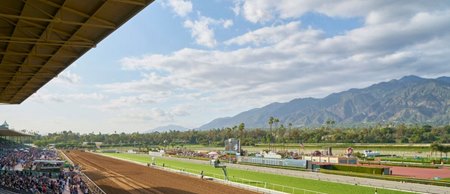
<point x="188" y="62"/>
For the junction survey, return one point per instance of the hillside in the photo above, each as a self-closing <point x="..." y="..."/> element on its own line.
<point x="167" y="128"/>
<point x="410" y="99"/>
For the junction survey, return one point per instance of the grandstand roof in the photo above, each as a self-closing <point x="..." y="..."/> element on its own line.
<point x="40" y="38"/>
<point x="5" y="131"/>
<point x="10" y="132"/>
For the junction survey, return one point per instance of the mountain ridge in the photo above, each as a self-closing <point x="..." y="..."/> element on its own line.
<point x="167" y="128"/>
<point x="411" y="99"/>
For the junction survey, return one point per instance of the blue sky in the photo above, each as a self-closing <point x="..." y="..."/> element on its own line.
<point x="188" y="62"/>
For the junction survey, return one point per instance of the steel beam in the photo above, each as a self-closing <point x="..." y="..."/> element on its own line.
<point x="57" y="31"/>
<point x="80" y="13"/>
<point x="31" y="65"/>
<point x="140" y="3"/>
<point x="57" y="20"/>
<point x="46" y="43"/>
<point x="35" y="54"/>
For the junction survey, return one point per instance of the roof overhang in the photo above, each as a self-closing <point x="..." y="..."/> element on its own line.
<point x="9" y="132"/>
<point x="40" y="38"/>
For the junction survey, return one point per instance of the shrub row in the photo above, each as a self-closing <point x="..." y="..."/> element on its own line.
<point x="422" y="160"/>
<point x="359" y="169"/>
<point x="191" y="157"/>
<point x="401" y="164"/>
<point x="273" y="166"/>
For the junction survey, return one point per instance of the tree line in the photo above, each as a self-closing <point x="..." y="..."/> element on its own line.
<point x="275" y="134"/>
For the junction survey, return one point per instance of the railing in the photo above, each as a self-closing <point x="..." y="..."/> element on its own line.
<point x="265" y="185"/>
<point x="94" y="188"/>
<point x="7" y="190"/>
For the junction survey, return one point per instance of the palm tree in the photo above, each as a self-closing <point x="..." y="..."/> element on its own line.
<point x="330" y="123"/>
<point x="434" y="147"/>
<point x="276" y="121"/>
<point x="446" y="149"/>
<point x="271" y="120"/>
<point x="241" y="130"/>
<point x="441" y="148"/>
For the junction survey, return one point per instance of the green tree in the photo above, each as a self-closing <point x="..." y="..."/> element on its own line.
<point x="271" y="120"/>
<point x="441" y="148"/>
<point x="446" y="149"/>
<point x="276" y="121"/>
<point x="434" y="148"/>
<point x="241" y="129"/>
<point x="330" y="123"/>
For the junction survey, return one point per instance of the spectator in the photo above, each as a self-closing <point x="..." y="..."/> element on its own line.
<point x="17" y="173"/>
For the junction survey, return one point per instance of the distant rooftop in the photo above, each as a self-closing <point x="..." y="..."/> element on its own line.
<point x="4" y="125"/>
<point x="6" y="131"/>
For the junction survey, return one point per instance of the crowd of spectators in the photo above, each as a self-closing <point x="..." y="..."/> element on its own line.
<point x="27" y="182"/>
<point x="186" y="153"/>
<point x="17" y="172"/>
<point x="23" y="157"/>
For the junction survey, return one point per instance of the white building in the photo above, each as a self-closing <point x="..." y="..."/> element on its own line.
<point x="370" y="153"/>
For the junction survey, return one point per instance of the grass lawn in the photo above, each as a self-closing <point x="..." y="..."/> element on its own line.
<point x="234" y="174"/>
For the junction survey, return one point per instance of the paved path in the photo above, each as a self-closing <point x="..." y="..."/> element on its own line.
<point x="413" y="187"/>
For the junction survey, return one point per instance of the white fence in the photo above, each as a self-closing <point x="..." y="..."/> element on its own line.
<point x="241" y="182"/>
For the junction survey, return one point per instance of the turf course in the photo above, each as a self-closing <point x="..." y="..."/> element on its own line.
<point x="234" y="174"/>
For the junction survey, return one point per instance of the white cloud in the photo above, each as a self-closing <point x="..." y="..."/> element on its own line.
<point x="150" y="82"/>
<point x="374" y="11"/>
<point x="227" y="23"/>
<point x="270" y="35"/>
<point x="139" y="114"/>
<point x="202" y="29"/>
<point x="128" y="101"/>
<point x="151" y="114"/>
<point x="258" y="11"/>
<point x="237" y="7"/>
<point x="180" y="7"/>
<point x="180" y="110"/>
<point x="289" y="61"/>
<point x="68" y="77"/>
<point x="47" y="97"/>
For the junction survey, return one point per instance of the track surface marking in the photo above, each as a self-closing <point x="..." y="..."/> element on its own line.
<point x="117" y="176"/>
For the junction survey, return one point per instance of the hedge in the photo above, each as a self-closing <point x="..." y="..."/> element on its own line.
<point x="272" y="166"/>
<point x="401" y="164"/>
<point x="421" y="160"/>
<point x="359" y="169"/>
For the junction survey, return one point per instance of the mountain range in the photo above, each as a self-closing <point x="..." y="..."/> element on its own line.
<point x="167" y="128"/>
<point x="411" y="99"/>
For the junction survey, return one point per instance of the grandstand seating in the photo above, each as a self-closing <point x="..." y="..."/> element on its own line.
<point x="17" y="172"/>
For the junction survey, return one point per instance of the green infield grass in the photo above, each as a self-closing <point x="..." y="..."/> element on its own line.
<point x="257" y="178"/>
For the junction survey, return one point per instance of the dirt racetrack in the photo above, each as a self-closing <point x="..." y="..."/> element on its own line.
<point x="117" y="176"/>
<point x="422" y="173"/>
